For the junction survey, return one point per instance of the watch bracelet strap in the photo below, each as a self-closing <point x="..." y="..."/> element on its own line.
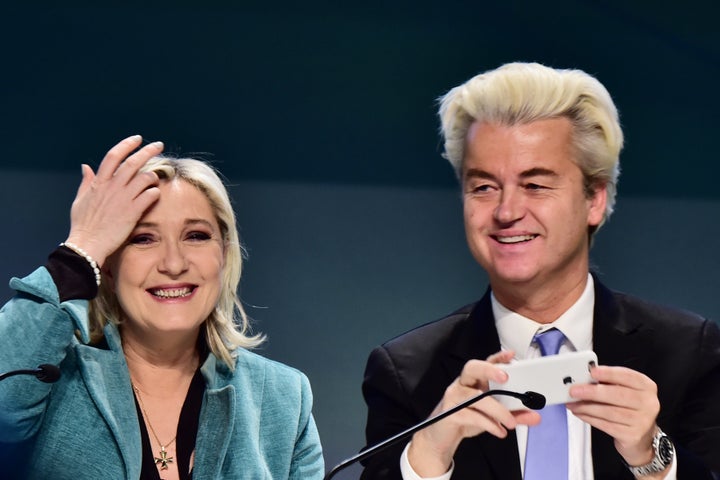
<point x="656" y="464"/>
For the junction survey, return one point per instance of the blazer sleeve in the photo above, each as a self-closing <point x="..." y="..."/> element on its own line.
<point x="307" y="461"/>
<point x="698" y="418"/>
<point x="35" y="328"/>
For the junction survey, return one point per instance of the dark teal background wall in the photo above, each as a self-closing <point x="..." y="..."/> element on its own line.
<point x="344" y="93"/>
<point x="322" y="117"/>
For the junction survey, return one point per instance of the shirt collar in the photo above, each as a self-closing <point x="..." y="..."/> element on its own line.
<point x="516" y="331"/>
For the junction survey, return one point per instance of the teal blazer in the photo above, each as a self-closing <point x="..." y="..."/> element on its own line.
<point x="255" y="421"/>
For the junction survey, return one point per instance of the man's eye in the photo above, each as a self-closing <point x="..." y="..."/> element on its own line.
<point x="534" y="186"/>
<point x="480" y="188"/>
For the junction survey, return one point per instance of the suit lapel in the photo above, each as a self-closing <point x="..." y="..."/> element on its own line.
<point x="477" y="338"/>
<point x="618" y="338"/>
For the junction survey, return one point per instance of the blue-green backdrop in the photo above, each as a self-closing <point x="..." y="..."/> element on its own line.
<point x="322" y="118"/>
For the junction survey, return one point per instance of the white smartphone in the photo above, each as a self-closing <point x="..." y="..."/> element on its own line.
<point x="551" y="376"/>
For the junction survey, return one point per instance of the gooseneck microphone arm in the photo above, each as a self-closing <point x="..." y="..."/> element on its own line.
<point x="532" y="400"/>
<point x="45" y="373"/>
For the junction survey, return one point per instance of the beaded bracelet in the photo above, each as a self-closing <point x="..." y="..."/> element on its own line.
<point x="84" y="254"/>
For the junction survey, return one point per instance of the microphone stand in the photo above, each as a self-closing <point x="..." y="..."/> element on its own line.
<point x="45" y="373"/>
<point x="531" y="400"/>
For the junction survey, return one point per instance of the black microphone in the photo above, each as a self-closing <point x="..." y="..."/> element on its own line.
<point x="532" y="400"/>
<point x="45" y="373"/>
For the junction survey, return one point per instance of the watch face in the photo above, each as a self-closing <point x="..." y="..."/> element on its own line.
<point x="665" y="449"/>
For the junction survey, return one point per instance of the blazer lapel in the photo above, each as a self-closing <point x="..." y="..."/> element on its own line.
<point x="107" y="379"/>
<point x="477" y="339"/>
<point x="215" y="430"/>
<point x="618" y="338"/>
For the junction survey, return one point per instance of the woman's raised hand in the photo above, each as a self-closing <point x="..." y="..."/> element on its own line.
<point x="109" y="203"/>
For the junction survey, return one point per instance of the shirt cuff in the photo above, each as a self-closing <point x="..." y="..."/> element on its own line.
<point x="672" y="472"/>
<point x="409" y="474"/>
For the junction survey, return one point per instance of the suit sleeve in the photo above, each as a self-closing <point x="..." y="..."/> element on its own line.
<point x="697" y="436"/>
<point x="388" y="414"/>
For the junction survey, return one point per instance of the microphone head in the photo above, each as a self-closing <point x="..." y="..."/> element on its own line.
<point x="48" y="373"/>
<point x="533" y="400"/>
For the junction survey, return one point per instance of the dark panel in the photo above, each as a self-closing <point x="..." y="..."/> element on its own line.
<point x="322" y="92"/>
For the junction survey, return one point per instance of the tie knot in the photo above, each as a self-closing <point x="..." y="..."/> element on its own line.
<point x="549" y="341"/>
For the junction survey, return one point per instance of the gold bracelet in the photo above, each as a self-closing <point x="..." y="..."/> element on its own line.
<point x="84" y="254"/>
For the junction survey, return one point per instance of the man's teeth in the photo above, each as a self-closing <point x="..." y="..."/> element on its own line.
<point x="172" y="292"/>
<point x="515" y="239"/>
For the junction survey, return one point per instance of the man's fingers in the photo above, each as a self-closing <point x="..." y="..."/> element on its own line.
<point x="526" y="417"/>
<point x="476" y="373"/>
<point x="623" y="376"/>
<point x="613" y="414"/>
<point x="501" y="357"/>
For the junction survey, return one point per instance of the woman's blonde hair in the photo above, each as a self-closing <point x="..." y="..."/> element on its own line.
<point x="518" y="93"/>
<point x="227" y="328"/>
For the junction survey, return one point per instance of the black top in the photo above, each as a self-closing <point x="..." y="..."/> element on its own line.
<point x="186" y="433"/>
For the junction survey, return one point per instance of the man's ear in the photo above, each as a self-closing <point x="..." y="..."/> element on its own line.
<point x="597" y="204"/>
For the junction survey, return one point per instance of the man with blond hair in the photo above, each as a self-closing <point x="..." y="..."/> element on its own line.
<point x="536" y="151"/>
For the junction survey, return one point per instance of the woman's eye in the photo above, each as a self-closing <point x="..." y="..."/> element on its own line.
<point x="141" y="239"/>
<point x="198" y="236"/>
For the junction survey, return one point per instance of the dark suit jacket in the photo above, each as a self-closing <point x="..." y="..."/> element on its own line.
<point x="406" y="377"/>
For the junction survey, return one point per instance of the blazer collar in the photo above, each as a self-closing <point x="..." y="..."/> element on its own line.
<point x="474" y="337"/>
<point x="215" y="431"/>
<point x="618" y="338"/>
<point x="106" y="377"/>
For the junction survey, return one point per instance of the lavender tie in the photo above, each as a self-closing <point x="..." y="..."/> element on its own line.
<point x="547" y="447"/>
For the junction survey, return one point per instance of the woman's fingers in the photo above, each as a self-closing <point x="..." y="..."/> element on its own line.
<point x="87" y="178"/>
<point x="115" y="156"/>
<point x="109" y="204"/>
<point x="127" y="170"/>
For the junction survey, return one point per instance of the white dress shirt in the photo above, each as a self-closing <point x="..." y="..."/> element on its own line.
<point x="516" y="333"/>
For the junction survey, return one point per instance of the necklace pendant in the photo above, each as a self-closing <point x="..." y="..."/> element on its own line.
<point x="163" y="459"/>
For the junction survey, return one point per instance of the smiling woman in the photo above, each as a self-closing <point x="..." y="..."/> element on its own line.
<point x="139" y="309"/>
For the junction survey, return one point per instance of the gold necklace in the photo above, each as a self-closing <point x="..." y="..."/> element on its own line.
<point x="163" y="459"/>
